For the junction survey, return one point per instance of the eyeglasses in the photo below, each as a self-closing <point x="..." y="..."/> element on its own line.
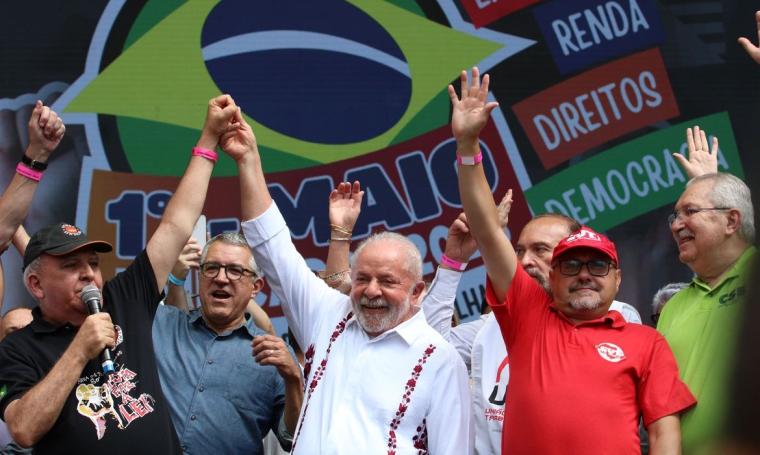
<point x="655" y="318"/>
<point x="232" y="272"/>
<point x="572" y="267"/>
<point x="686" y="212"/>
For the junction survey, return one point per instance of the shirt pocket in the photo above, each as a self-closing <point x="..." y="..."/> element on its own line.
<point x="251" y="387"/>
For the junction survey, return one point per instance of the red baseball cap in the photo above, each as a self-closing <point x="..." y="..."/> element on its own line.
<point x="586" y="238"/>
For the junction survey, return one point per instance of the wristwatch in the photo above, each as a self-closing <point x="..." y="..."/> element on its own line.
<point x="33" y="164"/>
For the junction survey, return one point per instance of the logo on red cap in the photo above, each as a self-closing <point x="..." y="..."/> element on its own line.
<point x="71" y="230"/>
<point x="584" y="234"/>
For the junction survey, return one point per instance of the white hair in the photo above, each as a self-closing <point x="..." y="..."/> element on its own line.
<point x="665" y="294"/>
<point x="412" y="256"/>
<point x="236" y="239"/>
<point x="729" y="191"/>
<point x="36" y="267"/>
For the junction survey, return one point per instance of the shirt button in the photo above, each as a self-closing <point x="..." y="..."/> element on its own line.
<point x="576" y="329"/>
<point x="184" y="448"/>
<point x="210" y="361"/>
<point x="192" y="417"/>
<point x="201" y="389"/>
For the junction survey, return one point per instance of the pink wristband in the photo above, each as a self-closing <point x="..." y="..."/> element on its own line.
<point x="453" y="264"/>
<point x="206" y="153"/>
<point x="28" y="173"/>
<point x="470" y="160"/>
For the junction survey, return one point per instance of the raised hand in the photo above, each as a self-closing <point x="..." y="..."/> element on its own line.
<point x="346" y="204"/>
<point x="271" y="350"/>
<point x="46" y="130"/>
<point x="751" y="49"/>
<point x="471" y="112"/>
<point x="504" y="206"/>
<point x="188" y="259"/>
<point x="221" y="111"/>
<point x="238" y="140"/>
<point x="700" y="161"/>
<point x="460" y="244"/>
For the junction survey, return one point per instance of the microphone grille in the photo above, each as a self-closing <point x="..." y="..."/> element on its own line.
<point x="90" y="292"/>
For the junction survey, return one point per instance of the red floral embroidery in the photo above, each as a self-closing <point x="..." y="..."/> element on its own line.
<point x="319" y="373"/>
<point x="308" y="360"/>
<point x="420" y="441"/>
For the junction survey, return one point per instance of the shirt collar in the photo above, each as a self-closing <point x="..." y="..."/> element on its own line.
<point x="613" y="318"/>
<point x="408" y="330"/>
<point x="196" y="317"/>
<point x="735" y="272"/>
<point x="41" y="325"/>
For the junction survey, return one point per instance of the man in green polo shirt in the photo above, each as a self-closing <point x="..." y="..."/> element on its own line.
<point x="713" y="226"/>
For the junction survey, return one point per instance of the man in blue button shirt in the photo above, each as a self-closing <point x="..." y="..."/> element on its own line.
<point x="222" y="398"/>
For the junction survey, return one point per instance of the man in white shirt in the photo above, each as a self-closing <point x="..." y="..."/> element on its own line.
<point x="379" y="380"/>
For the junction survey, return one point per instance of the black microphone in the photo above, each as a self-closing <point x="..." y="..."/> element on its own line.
<point x="91" y="298"/>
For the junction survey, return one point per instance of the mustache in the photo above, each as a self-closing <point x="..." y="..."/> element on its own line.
<point x="377" y="302"/>
<point x="584" y="284"/>
<point x="685" y="233"/>
<point x="534" y="272"/>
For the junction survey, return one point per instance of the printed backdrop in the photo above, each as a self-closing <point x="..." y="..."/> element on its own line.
<point x="595" y="96"/>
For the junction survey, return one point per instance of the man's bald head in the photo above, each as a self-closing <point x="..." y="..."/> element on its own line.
<point x="15" y="319"/>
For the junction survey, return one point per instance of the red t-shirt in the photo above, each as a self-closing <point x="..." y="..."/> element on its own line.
<point x="580" y="388"/>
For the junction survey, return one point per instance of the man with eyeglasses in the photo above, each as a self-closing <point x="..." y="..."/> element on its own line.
<point x="713" y="226"/>
<point x="580" y="377"/>
<point x="221" y="398"/>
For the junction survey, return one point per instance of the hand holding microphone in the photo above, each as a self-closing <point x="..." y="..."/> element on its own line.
<point x="91" y="298"/>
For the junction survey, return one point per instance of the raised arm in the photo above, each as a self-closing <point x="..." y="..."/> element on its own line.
<point x="751" y="49"/>
<point x="260" y="317"/>
<point x="701" y="160"/>
<point x="189" y="259"/>
<point x="254" y="194"/>
<point x="185" y="206"/>
<point x="439" y="302"/>
<point x="20" y="240"/>
<point x="345" y="207"/>
<point x="46" y="130"/>
<point x="469" y="116"/>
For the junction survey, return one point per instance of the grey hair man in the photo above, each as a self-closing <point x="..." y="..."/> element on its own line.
<point x="379" y="379"/>
<point x="713" y="226"/>
<point x="214" y="386"/>
<point x="662" y="296"/>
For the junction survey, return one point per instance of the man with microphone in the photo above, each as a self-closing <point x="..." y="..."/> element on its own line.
<point x="54" y="393"/>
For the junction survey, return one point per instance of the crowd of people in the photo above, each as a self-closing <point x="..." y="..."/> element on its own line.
<point x="555" y="364"/>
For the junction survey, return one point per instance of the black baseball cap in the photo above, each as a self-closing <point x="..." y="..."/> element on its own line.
<point x="58" y="240"/>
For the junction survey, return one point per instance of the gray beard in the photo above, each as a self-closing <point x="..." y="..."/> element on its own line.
<point x="586" y="304"/>
<point x="378" y="323"/>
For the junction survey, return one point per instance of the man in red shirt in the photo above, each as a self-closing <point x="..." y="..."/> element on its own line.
<point x="580" y="377"/>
